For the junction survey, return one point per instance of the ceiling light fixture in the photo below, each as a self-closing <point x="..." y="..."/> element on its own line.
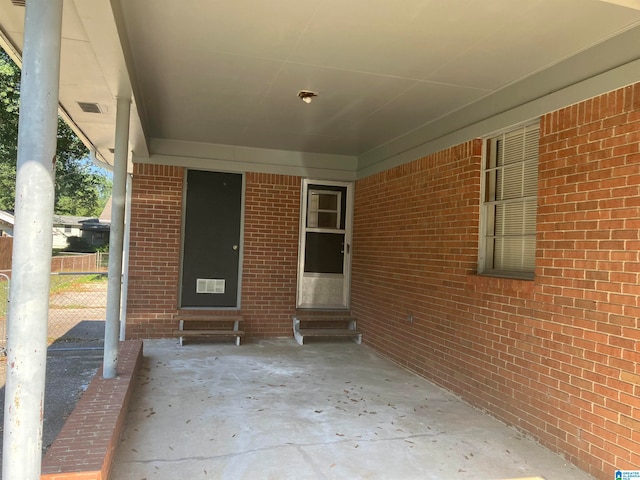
<point x="306" y="95"/>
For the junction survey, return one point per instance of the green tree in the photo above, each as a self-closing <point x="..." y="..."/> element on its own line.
<point x="81" y="188"/>
<point x="9" y="101"/>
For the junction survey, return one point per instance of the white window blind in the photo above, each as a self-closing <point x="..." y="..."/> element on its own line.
<point x="509" y="209"/>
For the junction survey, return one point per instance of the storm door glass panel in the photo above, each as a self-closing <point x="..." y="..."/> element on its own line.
<point x="324" y="251"/>
<point x="324" y="209"/>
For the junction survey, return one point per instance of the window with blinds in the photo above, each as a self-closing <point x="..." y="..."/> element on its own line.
<point x="510" y="201"/>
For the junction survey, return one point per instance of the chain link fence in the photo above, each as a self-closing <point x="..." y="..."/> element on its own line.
<point x="77" y="306"/>
<point x="77" y="312"/>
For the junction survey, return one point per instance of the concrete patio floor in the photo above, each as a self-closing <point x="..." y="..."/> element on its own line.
<point x="277" y="410"/>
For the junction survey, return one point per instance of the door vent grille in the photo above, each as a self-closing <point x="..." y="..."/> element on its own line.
<point x="210" y="285"/>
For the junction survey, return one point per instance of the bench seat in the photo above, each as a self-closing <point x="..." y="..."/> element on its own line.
<point x="213" y="333"/>
<point x="193" y="326"/>
<point x="331" y="325"/>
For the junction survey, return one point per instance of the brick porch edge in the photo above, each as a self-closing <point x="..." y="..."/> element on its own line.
<point x="86" y="444"/>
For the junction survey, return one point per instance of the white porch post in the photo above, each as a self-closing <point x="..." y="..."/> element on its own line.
<point x="116" y="238"/>
<point x="27" y="344"/>
<point x="125" y="261"/>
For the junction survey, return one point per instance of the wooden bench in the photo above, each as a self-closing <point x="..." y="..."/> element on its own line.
<point x="202" y="326"/>
<point x="325" y="326"/>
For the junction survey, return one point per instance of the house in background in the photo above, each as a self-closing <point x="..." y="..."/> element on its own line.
<point x="95" y="231"/>
<point x="464" y="180"/>
<point x="91" y="230"/>
<point x="64" y="227"/>
<point x="6" y="224"/>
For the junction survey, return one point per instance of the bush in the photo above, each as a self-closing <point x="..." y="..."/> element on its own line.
<point x="79" y="245"/>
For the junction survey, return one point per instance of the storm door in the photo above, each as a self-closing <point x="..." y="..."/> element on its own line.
<point x="324" y="259"/>
<point x="211" y="246"/>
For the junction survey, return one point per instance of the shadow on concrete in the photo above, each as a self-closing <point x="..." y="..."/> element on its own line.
<point x="72" y="362"/>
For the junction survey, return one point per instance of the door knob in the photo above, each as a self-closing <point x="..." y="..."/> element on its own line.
<point x="235" y="247"/>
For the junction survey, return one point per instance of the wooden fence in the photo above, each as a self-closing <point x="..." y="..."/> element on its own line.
<point x="78" y="262"/>
<point x="6" y="244"/>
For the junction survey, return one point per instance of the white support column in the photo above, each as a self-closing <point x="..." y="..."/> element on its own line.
<point x="29" y="297"/>
<point x="125" y="261"/>
<point x="116" y="238"/>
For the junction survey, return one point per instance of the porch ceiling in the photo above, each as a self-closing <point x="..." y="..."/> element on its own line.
<point x="228" y="72"/>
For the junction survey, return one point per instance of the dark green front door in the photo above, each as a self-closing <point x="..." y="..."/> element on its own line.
<point x="211" y="247"/>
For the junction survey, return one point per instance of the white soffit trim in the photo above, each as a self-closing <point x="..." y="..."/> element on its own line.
<point x="563" y="98"/>
<point x="609" y="66"/>
<point x="16" y="56"/>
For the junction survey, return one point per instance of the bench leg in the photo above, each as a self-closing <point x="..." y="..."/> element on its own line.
<point x="296" y="331"/>
<point x="236" y="327"/>
<point x="352" y="326"/>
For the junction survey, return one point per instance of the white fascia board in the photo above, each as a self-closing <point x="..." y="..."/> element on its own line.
<point x="6" y="217"/>
<point x="247" y="159"/>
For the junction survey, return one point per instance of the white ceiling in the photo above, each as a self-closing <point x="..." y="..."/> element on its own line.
<point x="228" y="71"/>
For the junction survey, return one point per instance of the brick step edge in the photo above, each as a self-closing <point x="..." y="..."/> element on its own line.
<point x="85" y="447"/>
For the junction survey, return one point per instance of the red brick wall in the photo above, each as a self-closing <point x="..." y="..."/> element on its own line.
<point x="272" y="218"/>
<point x="587" y="277"/>
<point x="557" y="357"/>
<point x="415" y="243"/>
<point x="156" y="213"/>
<point x="272" y="209"/>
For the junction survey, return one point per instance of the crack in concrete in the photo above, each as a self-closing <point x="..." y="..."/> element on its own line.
<point x="298" y="446"/>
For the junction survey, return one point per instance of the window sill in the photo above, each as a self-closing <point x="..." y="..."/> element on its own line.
<point x="510" y="275"/>
<point x="501" y="284"/>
